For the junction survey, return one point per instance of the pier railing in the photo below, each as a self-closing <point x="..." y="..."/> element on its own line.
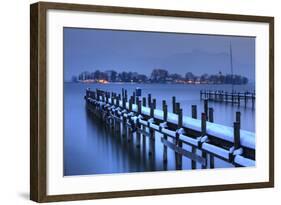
<point x="137" y="117"/>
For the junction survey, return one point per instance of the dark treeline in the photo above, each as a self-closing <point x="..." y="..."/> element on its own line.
<point x="158" y="76"/>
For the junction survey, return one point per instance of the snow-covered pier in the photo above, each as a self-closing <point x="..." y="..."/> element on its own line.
<point x="138" y="120"/>
<point x="229" y="97"/>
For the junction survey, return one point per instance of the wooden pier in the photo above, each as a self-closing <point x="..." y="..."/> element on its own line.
<point x="136" y="118"/>
<point x="237" y="98"/>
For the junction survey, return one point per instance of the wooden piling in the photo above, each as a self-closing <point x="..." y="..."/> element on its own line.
<point x="174" y="104"/>
<point x="194" y="111"/>
<point x="212" y="161"/>
<point x="211" y="114"/>
<point x="203" y="124"/>
<point x="129" y="136"/>
<point x="206" y="108"/>
<point x="151" y="131"/>
<point x="138" y="126"/>
<point x="238" y="116"/>
<point x="203" y="133"/>
<point x="154" y="103"/>
<point x="178" y="141"/>
<point x="126" y="95"/>
<point x="236" y="129"/>
<point x="149" y="100"/>
<point x="124" y="126"/>
<point x="177" y="107"/>
<point x="134" y="98"/>
<point x="165" y="117"/>
<point x="144" y="101"/>
<point x="131" y="104"/>
<point x="143" y="128"/>
<point x="193" y="149"/>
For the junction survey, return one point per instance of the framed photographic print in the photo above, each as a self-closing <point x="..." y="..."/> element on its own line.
<point x="134" y="102"/>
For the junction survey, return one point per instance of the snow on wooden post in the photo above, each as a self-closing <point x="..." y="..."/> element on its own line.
<point x="194" y="111"/>
<point x="211" y="114"/>
<point x="206" y="109"/>
<point x="165" y="117"/>
<point x="174" y="104"/>
<point x="236" y="126"/>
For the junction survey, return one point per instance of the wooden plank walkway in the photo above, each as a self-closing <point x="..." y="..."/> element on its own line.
<point x="137" y="117"/>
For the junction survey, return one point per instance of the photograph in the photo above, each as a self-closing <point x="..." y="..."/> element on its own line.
<point x="146" y="101"/>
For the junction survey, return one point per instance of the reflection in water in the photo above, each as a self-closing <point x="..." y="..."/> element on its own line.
<point x="92" y="148"/>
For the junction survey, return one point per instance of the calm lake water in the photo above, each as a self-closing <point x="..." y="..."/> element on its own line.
<point x="90" y="149"/>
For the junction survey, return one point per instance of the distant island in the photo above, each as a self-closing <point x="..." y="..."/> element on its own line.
<point x="157" y="76"/>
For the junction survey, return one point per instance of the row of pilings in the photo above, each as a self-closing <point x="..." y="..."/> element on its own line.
<point x="136" y="118"/>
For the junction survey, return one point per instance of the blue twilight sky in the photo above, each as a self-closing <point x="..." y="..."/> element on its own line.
<point x="92" y="49"/>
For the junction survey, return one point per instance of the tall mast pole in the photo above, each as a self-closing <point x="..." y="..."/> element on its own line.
<point x="231" y="67"/>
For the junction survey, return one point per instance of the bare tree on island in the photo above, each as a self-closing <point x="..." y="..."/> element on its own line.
<point x="159" y="76"/>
